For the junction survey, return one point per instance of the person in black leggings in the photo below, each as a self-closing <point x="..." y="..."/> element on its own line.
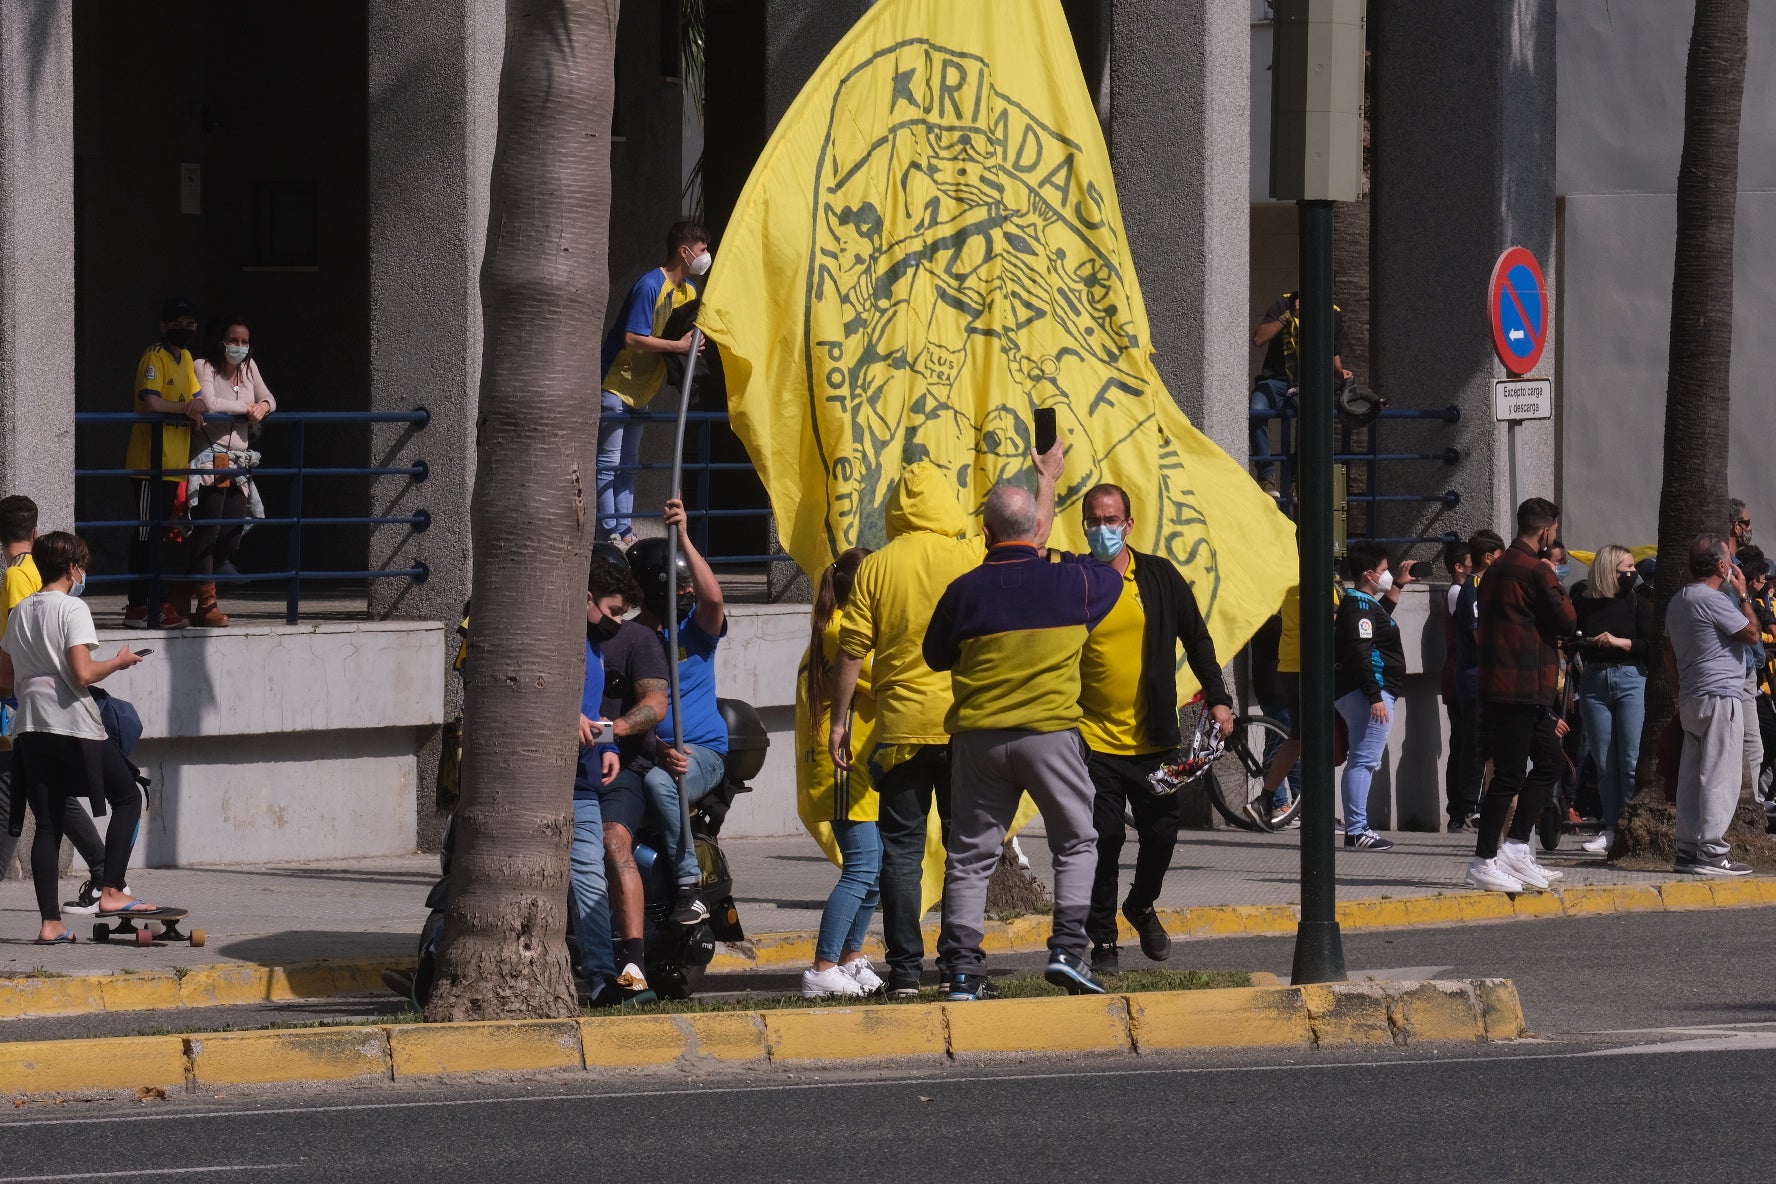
<point x="61" y="750"/>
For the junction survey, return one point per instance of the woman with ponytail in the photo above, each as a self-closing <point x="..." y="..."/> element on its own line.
<point x="838" y="806"/>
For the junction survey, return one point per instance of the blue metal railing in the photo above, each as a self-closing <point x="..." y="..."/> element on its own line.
<point x="296" y="470"/>
<point x="1371" y="459"/>
<point x="698" y="470"/>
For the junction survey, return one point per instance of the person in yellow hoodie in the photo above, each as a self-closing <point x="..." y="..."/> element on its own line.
<point x="931" y="542"/>
<point x="18" y="530"/>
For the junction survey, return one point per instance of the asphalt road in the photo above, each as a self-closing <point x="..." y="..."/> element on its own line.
<point x="1655" y="1043"/>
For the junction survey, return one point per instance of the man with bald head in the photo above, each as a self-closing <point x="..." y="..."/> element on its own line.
<point x="1010" y="633"/>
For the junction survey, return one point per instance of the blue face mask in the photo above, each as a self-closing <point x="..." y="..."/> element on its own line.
<point x="1106" y="541"/>
<point x="80" y="586"/>
<point x="1562" y="571"/>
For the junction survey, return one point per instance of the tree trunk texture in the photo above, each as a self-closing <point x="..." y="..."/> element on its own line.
<point x="1698" y="398"/>
<point x="543" y="290"/>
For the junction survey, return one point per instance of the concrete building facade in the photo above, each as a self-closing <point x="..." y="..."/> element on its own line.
<point x="324" y="168"/>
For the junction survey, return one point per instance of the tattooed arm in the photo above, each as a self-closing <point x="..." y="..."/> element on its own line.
<point x="649" y="709"/>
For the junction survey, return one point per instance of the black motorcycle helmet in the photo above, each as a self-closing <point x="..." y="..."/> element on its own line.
<point x="647" y="560"/>
<point x="610" y="553"/>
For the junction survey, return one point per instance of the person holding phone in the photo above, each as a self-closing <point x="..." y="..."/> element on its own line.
<point x="1616" y="620"/>
<point x="61" y="750"/>
<point x="1370" y="675"/>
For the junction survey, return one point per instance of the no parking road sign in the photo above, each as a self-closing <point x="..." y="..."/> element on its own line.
<point x="1517" y="306"/>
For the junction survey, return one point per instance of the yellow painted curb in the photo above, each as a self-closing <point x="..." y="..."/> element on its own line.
<point x="311" y="1054"/>
<point x="69" y="1066"/>
<point x="427" y="1050"/>
<point x="1247" y="1017"/>
<point x="237" y="983"/>
<point x="1236" y="1018"/>
<point x="856" y="1033"/>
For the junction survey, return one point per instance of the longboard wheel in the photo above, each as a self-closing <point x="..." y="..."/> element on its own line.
<point x="101" y="931"/>
<point x="198" y="937"/>
<point x="144" y="937"/>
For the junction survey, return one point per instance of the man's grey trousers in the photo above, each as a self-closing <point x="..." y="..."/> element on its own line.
<point x="989" y="773"/>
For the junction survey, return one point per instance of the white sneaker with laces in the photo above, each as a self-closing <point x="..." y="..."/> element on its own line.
<point x="1601" y="844"/>
<point x="1488" y="876"/>
<point x="859" y="969"/>
<point x="1517" y="861"/>
<point x="820" y="984"/>
<point x="632" y="979"/>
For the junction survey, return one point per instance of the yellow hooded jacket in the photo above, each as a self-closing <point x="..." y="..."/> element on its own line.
<point x="897" y="587"/>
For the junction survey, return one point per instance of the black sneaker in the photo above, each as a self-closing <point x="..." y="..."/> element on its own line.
<point x="85" y="901"/>
<point x="966" y="988"/>
<point x="1719" y="865"/>
<point x="1368" y="841"/>
<point x="1070" y="972"/>
<point x="1156" y="943"/>
<point x="1259" y="812"/>
<point x="1106" y="957"/>
<point x="902" y="988"/>
<point x="691" y="910"/>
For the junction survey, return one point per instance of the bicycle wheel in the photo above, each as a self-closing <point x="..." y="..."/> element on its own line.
<point x="1236" y="780"/>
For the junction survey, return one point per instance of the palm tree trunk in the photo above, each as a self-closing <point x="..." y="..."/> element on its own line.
<point x="1698" y="397"/>
<point x="543" y="289"/>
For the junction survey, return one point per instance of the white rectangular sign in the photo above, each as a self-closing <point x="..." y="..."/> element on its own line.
<point x="1523" y="398"/>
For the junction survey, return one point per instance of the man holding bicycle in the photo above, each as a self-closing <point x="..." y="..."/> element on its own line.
<point x="1131" y="724"/>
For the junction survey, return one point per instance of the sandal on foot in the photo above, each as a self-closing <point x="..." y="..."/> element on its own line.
<point x="66" y="939"/>
<point x="134" y="906"/>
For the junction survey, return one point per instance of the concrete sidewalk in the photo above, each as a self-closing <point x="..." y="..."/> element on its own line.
<point x="281" y="914"/>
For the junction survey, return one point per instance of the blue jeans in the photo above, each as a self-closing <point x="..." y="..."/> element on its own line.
<point x="589" y="895"/>
<point x="845" y="921"/>
<point x="704" y="775"/>
<point x="1612" y="709"/>
<point x="1268" y="398"/>
<point x="1368" y="741"/>
<point x="619" y="444"/>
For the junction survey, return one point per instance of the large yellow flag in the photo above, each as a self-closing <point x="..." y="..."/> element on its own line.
<point x="930" y="248"/>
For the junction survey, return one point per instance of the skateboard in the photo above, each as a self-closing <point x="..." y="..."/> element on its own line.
<point x="161" y="923"/>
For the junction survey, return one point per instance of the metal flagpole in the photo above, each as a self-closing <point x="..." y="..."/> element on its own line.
<point x="678" y="444"/>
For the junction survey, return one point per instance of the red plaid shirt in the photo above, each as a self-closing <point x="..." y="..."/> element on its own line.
<point x="1523" y="611"/>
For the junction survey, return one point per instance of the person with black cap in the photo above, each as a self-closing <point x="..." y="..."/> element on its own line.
<point x="166" y="384"/>
<point x="698" y="767"/>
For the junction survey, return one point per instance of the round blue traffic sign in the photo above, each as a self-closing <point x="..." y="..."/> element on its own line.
<point x="1517" y="306"/>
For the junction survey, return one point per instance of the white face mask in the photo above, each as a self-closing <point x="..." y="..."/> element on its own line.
<point x="236" y="354"/>
<point x="1384" y="581"/>
<point x="702" y="263"/>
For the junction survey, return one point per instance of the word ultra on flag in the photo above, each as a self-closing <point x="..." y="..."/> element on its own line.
<point x="930" y="248"/>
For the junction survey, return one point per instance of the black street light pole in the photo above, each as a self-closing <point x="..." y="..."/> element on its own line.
<point x="1319" y="948"/>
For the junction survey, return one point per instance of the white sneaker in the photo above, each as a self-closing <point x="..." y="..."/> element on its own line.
<point x="1488" y="876"/>
<point x="1017" y="853"/>
<point x="1517" y="861"/>
<point x="859" y="969"/>
<point x="632" y="980"/>
<point x="1601" y="844"/>
<point x="820" y="984"/>
<point x="1518" y="854"/>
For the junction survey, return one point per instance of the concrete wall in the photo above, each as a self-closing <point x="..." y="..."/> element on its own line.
<point x="281" y="742"/>
<point x="1462" y="167"/>
<point x="37" y="254"/>
<point x="1620" y="139"/>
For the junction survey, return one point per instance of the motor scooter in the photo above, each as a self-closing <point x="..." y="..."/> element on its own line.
<point x="677" y="955"/>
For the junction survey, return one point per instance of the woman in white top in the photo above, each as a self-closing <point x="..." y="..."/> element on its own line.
<point x="60" y="749"/>
<point x="233" y="386"/>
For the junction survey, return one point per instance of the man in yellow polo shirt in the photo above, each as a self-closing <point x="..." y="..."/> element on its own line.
<point x="1129" y="699"/>
<point x="166" y="384"/>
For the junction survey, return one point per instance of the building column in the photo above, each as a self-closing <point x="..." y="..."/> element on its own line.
<point x="433" y="96"/>
<point x="37" y="256"/>
<point x="1462" y="133"/>
<point x="1180" y="145"/>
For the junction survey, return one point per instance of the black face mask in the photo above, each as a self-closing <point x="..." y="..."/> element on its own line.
<point x="178" y="337"/>
<point x="1627" y="582"/>
<point x="604" y="629"/>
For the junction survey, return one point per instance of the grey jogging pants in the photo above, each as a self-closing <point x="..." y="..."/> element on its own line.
<point x="989" y="772"/>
